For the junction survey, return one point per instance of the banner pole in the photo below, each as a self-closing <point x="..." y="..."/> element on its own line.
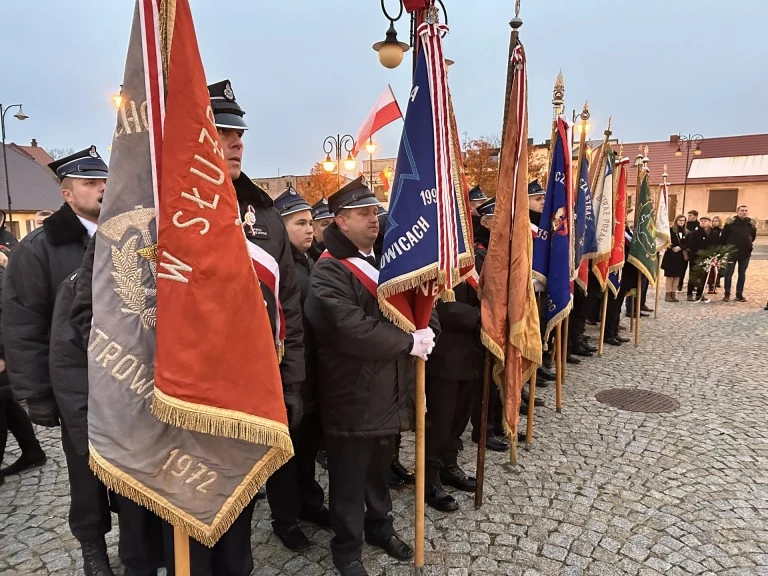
<point x="531" y="400"/>
<point x="602" y="322"/>
<point x="181" y="551"/>
<point x="638" y="298"/>
<point x="564" y="341"/>
<point x="559" y="363"/>
<point x="421" y="409"/>
<point x="481" y="448"/>
<point x="658" y="287"/>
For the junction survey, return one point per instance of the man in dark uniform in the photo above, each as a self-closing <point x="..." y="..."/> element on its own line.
<point x="40" y="262"/>
<point x="495" y="436"/>
<point x="321" y="218"/>
<point x="232" y="555"/>
<point x="293" y="491"/>
<point x="140" y="546"/>
<point x="360" y="388"/>
<point x="476" y="198"/>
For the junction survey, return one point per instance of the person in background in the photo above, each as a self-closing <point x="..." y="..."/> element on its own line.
<point x="321" y="218"/>
<point x="7" y="238"/>
<point x="740" y="232"/>
<point x="717" y="239"/>
<point x="697" y="241"/>
<point x="691" y="224"/>
<point x="13" y="418"/>
<point x="41" y="216"/>
<point x="674" y="263"/>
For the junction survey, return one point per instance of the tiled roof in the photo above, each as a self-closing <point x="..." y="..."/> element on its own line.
<point x="660" y="153"/>
<point x="33" y="186"/>
<point x="37" y="153"/>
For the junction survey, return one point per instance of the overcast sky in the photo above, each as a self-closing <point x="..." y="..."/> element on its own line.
<point x="304" y="69"/>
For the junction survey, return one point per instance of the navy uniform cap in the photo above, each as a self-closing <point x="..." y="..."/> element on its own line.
<point x="487" y="208"/>
<point x="290" y="202"/>
<point x="226" y="111"/>
<point x="320" y="210"/>
<point x="477" y="195"/>
<point x="535" y="189"/>
<point x="354" y="195"/>
<point x="381" y="211"/>
<point x="84" y="164"/>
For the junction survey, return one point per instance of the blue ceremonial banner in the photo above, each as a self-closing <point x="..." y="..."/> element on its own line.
<point x="426" y="214"/>
<point x="614" y="283"/>
<point x="551" y="247"/>
<point x="586" y="235"/>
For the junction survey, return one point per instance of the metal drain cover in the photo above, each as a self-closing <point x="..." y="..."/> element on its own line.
<point x="636" y="400"/>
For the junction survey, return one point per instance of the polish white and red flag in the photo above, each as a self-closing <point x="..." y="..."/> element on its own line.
<point x="385" y="111"/>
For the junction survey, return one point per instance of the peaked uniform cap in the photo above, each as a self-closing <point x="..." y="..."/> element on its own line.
<point x="320" y="210"/>
<point x="535" y="189"/>
<point x="84" y="164"/>
<point x="477" y="195"/>
<point x="290" y="202"/>
<point x="354" y="195"/>
<point x="226" y="111"/>
<point x="487" y="208"/>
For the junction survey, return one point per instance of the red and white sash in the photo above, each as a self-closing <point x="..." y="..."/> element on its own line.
<point x="473" y="280"/>
<point x="269" y="273"/>
<point x="363" y="271"/>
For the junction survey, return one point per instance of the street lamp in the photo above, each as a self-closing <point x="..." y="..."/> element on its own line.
<point x="370" y="147"/>
<point x="391" y="49"/>
<point x="338" y="143"/>
<point x="117" y="99"/>
<point x="19" y="116"/>
<point x="688" y="141"/>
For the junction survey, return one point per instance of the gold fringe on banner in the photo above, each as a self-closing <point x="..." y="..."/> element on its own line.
<point x="220" y="422"/>
<point x="118" y="481"/>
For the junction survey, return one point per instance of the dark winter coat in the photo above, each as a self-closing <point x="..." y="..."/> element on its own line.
<point x="316" y="249"/>
<point x="38" y="264"/>
<point x="360" y="381"/>
<point x="303" y="265"/>
<point x="7" y="238"/>
<point x="270" y="234"/>
<point x="674" y="263"/>
<point x="718" y="235"/>
<point x="740" y="233"/>
<point x="700" y="240"/>
<point x="458" y="354"/>
<point x="5" y="385"/>
<point x="628" y="272"/>
<point x="691" y="226"/>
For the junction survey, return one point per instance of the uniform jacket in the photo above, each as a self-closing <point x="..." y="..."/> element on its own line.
<point x="316" y="249"/>
<point x="458" y="354"/>
<point x="303" y="265"/>
<point x="360" y="382"/>
<point x="740" y="233"/>
<point x="270" y="234"/>
<point x="37" y="266"/>
<point x="5" y="385"/>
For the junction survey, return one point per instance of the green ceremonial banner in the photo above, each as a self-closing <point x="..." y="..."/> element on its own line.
<point x="642" y="251"/>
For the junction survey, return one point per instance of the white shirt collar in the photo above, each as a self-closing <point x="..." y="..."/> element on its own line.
<point x="89" y="226"/>
<point x="366" y="255"/>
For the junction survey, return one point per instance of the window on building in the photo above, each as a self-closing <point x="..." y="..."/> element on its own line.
<point x="30" y="225"/>
<point x="723" y="200"/>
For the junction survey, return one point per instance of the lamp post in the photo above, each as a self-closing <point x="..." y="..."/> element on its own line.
<point x="370" y="147"/>
<point x="20" y="116"/>
<point x="688" y="141"/>
<point x="337" y="143"/>
<point x="390" y="49"/>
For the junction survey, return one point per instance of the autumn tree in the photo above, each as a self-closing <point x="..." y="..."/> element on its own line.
<point x="481" y="163"/>
<point x="319" y="184"/>
<point x="538" y="168"/>
<point x="58" y="153"/>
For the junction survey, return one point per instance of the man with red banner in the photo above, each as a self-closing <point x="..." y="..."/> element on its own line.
<point x="360" y="387"/>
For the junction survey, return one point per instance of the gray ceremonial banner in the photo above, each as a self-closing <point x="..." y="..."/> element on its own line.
<point x="193" y="480"/>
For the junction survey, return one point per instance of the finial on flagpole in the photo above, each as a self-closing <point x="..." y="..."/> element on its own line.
<point x="558" y="94"/>
<point x="621" y="150"/>
<point x="585" y="112"/>
<point x="664" y="174"/>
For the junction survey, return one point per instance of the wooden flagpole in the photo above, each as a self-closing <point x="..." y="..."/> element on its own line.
<point x="421" y="410"/>
<point x="658" y="287"/>
<point x="481" y="447"/>
<point x="181" y="552"/>
<point x="637" y="307"/>
<point x="559" y="362"/>
<point x="531" y="400"/>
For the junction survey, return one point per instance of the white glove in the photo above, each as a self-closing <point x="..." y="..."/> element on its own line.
<point x="423" y="343"/>
<point x="538" y="286"/>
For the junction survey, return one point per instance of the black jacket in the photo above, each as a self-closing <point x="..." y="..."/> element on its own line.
<point x="740" y="233"/>
<point x="5" y="385"/>
<point x="691" y="226"/>
<point x="270" y="234"/>
<point x="302" y="264"/>
<point x="316" y="249"/>
<point x="699" y="240"/>
<point x="674" y="263"/>
<point x="359" y="382"/>
<point x="458" y="354"/>
<point x="38" y="264"/>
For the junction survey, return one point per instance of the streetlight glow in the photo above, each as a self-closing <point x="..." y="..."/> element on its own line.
<point x="329" y="165"/>
<point x="350" y="163"/>
<point x="370" y="147"/>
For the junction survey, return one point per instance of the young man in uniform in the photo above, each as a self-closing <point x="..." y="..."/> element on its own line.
<point x="321" y="218"/>
<point x="358" y="353"/>
<point x="40" y="262"/>
<point x="293" y="491"/>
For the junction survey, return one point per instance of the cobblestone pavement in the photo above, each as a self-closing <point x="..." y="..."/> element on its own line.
<point x="601" y="492"/>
